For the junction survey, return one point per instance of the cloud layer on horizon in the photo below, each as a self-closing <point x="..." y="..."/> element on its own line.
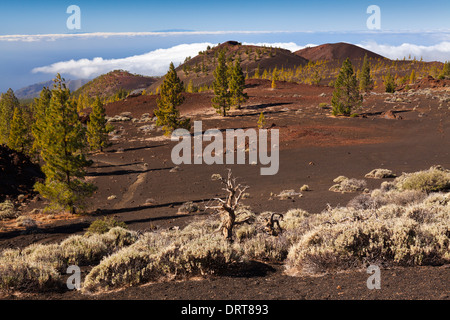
<point x="155" y="63"/>
<point x="438" y="52"/>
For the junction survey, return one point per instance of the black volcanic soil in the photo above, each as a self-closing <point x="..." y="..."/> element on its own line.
<point x="17" y="173"/>
<point x="315" y="149"/>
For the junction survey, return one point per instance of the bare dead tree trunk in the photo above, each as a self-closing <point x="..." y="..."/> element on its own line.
<point x="272" y="226"/>
<point x="228" y="207"/>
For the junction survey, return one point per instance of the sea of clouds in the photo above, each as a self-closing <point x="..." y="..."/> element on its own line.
<point x="156" y="62"/>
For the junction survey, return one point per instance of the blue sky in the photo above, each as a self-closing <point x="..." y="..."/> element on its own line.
<point x="31" y="17"/>
<point x="420" y="27"/>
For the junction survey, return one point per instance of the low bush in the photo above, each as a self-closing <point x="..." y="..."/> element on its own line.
<point x="387" y="234"/>
<point x="105" y="224"/>
<point x="162" y="256"/>
<point x="380" y="174"/>
<point x="434" y="179"/>
<point x="7" y="210"/>
<point x="344" y="185"/>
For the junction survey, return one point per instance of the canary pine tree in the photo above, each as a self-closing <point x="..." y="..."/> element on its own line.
<point x="365" y="81"/>
<point x="98" y="128"/>
<point x="8" y="103"/>
<point x="170" y="99"/>
<point x="445" y="73"/>
<point x="20" y="138"/>
<point x="63" y="145"/>
<point x="237" y="85"/>
<point x="39" y="110"/>
<point x="389" y="83"/>
<point x="221" y="99"/>
<point x="346" y="92"/>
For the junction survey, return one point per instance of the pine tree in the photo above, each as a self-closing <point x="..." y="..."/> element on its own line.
<point x="365" y="81"/>
<point x="20" y="138"/>
<point x="170" y="98"/>
<point x="63" y="145"/>
<point x="190" y="87"/>
<point x="412" y="77"/>
<point x="346" y="93"/>
<point x="445" y="73"/>
<point x="39" y="110"/>
<point x="261" y="120"/>
<point x="8" y="102"/>
<point x="98" y="128"/>
<point x="389" y="83"/>
<point x="237" y="85"/>
<point x="221" y="100"/>
<point x="257" y="73"/>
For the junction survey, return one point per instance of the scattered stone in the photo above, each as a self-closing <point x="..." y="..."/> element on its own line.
<point x="188" y="207"/>
<point x="35" y="211"/>
<point x="289" y="194"/>
<point x="25" y="221"/>
<point x="305" y="187"/>
<point x="147" y="128"/>
<point x="112" y="197"/>
<point x="390" y="115"/>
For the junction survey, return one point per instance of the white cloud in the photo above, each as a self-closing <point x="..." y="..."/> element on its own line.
<point x="438" y="52"/>
<point x="54" y="37"/>
<point x="154" y="63"/>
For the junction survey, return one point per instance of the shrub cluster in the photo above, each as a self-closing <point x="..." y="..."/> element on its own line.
<point x="403" y="223"/>
<point x="38" y="267"/>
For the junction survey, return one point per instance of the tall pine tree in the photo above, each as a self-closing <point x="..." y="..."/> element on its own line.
<point x="365" y="81"/>
<point x="8" y="102"/>
<point x="237" y="85"/>
<point x="39" y="110"/>
<point x="170" y="98"/>
<point x="98" y="128"/>
<point x="346" y="93"/>
<point x="221" y="100"/>
<point x="63" y="145"/>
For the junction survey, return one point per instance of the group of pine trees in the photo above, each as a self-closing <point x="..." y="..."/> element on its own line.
<point x="228" y="85"/>
<point x="347" y="94"/>
<point x="51" y="131"/>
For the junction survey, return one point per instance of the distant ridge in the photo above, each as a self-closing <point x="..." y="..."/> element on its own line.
<point x="34" y="90"/>
<point x="337" y="51"/>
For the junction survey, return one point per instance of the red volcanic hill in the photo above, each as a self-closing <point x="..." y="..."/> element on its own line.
<point x="337" y="51"/>
<point x="108" y="84"/>
<point x="200" y="69"/>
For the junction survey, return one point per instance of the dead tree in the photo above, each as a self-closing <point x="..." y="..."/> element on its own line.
<point x="228" y="207"/>
<point x="272" y="225"/>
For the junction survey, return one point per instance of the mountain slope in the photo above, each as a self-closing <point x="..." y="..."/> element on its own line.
<point x="108" y="84"/>
<point x="200" y="69"/>
<point x="337" y="51"/>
